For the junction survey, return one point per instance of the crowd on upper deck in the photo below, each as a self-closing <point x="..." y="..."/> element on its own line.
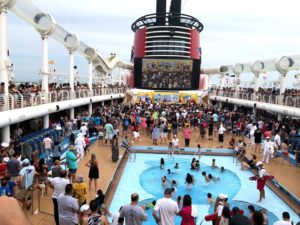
<point x="268" y="91"/>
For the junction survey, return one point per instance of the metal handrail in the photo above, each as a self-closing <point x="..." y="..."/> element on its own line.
<point x="293" y="101"/>
<point x="17" y="100"/>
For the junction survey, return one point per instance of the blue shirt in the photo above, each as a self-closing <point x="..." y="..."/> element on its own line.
<point x="71" y="159"/>
<point x="97" y="121"/>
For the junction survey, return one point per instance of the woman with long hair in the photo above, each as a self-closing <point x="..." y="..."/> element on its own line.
<point x="188" y="212"/>
<point x="225" y="216"/>
<point x="189" y="180"/>
<point x="94" y="171"/>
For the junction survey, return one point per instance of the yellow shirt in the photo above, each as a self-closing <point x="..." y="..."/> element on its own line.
<point x="81" y="190"/>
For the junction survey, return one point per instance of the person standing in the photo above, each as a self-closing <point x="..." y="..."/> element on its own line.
<point x="237" y="218"/>
<point x="58" y="184"/>
<point x="26" y="181"/>
<point x="80" y="190"/>
<point x="94" y="171"/>
<point x="80" y="144"/>
<point x="67" y="207"/>
<point x="187" y="133"/>
<point x="133" y="213"/>
<point x="108" y="132"/>
<point x="71" y="159"/>
<point x="47" y="145"/>
<point x="13" y="167"/>
<point x="175" y="143"/>
<point x="167" y="209"/>
<point x="268" y="150"/>
<point x="285" y="219"/>
<point x="277" y="143"/>
<point x="261" y="181"/>
<point x="221" y="131"/>
<point x="188" y="212"/>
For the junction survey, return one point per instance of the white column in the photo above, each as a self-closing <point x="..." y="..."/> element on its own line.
<point x="255" y="86"/>
<point x="235" y="107"/>
<point x="71" y="73"/>
<point x="90" y="108"/>
<point x="282" y="86"/>
<point x="90" y="77"/>
<point x="222" y="81"/>
<point x="120" y="75"/>
<point x="102" y="103"/>
<point x="72" y="114"/>
<point x="208" y="80"/>
<point x="45" y="68"/>
<point x="45" y="121"/>
<point x="237" y="84"/>
<point x="3" y="49"/>
<point x="5" y="134"/>
<point x="279" y="117"/>
<point x="282" y="83"/>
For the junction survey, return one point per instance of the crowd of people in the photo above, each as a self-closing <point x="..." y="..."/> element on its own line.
<point x="164" y="125"/>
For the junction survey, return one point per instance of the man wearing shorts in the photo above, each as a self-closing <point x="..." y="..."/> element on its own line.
<point x="108" y="132"/>
<point x="167" y="209"/>
<point x="26" y="180"/>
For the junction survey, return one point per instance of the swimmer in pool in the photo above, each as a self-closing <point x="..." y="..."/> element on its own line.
<point x="210" y="198"/>
<point x="211" y="177"/>
<point x="189" y="180"/>
<point x="213" y="164"/>
<point x="164" y="181"/>
<point x="205" y="176"/>
<point x="162" y="164"/>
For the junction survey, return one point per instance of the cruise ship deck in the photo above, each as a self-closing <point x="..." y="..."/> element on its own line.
<point x="168" y="76"/>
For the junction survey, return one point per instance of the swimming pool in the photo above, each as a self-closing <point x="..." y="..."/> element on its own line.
<point x="144" y="176"/>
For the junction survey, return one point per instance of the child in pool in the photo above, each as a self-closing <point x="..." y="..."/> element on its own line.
<point x="213" y="164"/>
<point x="198" y="153"/>
<point x="205" y="176"/>
<point x="210" y="199"/>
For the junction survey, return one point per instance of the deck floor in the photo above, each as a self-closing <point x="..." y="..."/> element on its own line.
<point x="285" y="174"/>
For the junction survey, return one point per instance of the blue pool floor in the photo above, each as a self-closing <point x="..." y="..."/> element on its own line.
<point x="144" y="176"/>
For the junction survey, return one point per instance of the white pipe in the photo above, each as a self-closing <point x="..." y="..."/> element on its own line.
<point x="90" y="76"/>
<point x="71" y="71"/>
<point x="3" y="50"/>
<point x="45" y="69"/>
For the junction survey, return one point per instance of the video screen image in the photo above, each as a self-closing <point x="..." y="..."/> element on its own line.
<point x="167" y="73"/>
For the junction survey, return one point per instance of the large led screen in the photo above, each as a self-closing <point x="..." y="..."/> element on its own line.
<point x="166" y="74"/>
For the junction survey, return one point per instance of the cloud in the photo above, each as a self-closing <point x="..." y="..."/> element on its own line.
<point x="234" y="31"/>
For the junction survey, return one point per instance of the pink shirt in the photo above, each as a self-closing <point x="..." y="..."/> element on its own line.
<point x="187" y="133"/>
<point x="47" y="143"/>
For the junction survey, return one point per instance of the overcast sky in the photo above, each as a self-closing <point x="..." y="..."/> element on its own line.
<point x="234" y="31"/>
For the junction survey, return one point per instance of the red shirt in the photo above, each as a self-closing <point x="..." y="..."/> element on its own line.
<point x="2" y="169"/>
<point x="186" y="214"/>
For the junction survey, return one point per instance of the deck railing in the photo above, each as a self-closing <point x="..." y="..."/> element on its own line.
<point x="292" y="101"/>
<point x="18" y="100"/>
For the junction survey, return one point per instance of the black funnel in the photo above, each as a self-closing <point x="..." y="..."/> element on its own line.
<point x="161" y="7"/>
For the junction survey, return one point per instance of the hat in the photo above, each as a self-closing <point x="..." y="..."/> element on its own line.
<point x="84" y="207"/>
<point x="222" y="196"/>
<point x="5" y="159"/>
<point x="25" y="161"/>
<point x="259" y="163"/>
<point x="168" y="191"/>
<point x="4" y="144"/>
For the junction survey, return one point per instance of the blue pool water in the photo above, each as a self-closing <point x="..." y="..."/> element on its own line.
<point x="144" y="176"/>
